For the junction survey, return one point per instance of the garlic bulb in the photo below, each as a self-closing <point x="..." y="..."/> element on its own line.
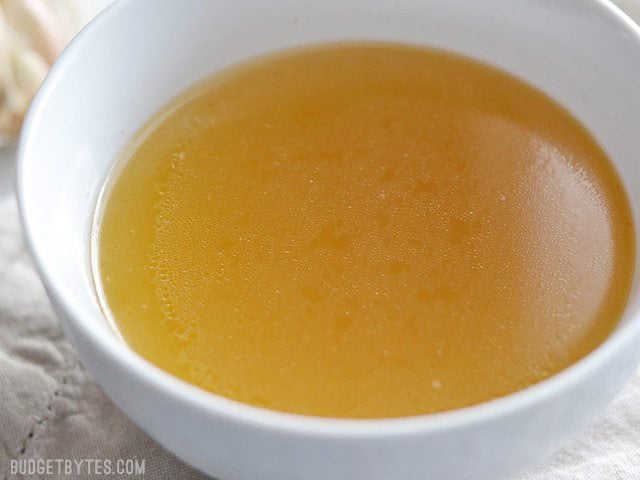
<point x="32" y="35"/>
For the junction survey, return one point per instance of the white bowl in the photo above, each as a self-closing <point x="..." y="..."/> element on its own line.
<point x="141" y="53"/>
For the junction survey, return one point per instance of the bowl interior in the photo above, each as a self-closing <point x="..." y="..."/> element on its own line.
<point x="124" y="68"/>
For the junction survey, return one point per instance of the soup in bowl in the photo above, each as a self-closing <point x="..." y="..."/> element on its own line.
<point x="399" y="246"/>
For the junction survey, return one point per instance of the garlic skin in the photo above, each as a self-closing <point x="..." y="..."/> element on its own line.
<point x="32" y="35"/>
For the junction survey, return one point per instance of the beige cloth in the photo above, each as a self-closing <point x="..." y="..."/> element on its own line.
<point x="50" y="408"/>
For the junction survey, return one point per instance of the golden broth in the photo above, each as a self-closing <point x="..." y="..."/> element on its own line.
<point x="364" y="230"/>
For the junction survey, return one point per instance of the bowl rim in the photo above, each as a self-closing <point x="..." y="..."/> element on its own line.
<point x="208" y="403"/>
